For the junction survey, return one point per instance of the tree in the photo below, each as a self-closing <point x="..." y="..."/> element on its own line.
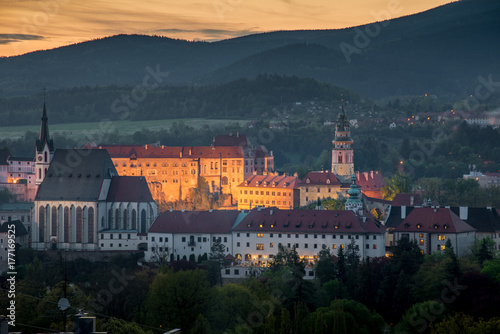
<point x="399" y="183"/>
<point x="325" y="268"/>
<point x="117" y="326"/>
<point x="420" y="316"/>
<point x="201" y="326"/>
<point x="285" y="327"/>
<point x="6" y="196"/>
<point x="215" y="263"/>
<point x="176" y="298"/>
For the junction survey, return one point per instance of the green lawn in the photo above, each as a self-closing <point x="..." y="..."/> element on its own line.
<point x="75" y="130"/>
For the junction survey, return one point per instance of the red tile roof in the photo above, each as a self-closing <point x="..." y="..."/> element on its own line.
<point x="271" y="181"/>
<point x="215" y="222"/>
<point x="370" y="181"/>
<point x="406" y="200"/>
<point x="134" y="151"/>
<point x="230" y="140"/>
<point x="301" y="221"/>
<point x="129" y="189"/>
<point x="433" y="220"/>
<point x="321" y="178"/>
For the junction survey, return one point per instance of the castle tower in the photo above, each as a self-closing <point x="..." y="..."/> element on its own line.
<point x="342" y="152"/>
<point x="44" y="148"/>
<point x="354" y="201"/>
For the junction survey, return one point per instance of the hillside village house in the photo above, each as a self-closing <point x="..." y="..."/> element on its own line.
<point x="432" y="227"/>
<point x="270" y="189"/>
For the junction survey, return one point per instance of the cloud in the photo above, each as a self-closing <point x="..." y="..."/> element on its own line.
<point x="13" y="38"/>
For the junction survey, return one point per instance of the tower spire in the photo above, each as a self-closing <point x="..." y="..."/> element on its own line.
<point x="44" y="146"/>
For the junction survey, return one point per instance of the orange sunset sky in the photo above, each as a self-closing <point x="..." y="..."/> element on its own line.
<point x="30" y="25"/>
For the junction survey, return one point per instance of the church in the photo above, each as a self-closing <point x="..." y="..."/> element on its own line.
<point x="81" y="197"/>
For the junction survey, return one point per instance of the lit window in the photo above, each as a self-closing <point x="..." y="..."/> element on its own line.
<point x="260" y="246"/>
<point x="260" y="235"/>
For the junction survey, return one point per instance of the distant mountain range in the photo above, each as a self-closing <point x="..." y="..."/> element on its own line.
<point x="441" y="51"/>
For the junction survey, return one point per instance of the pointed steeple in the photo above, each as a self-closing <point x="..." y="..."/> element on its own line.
<point x="44" y="131"/>
<point x="354" y="201"/>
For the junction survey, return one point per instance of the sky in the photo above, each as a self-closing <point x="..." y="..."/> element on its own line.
<point x="31" y="25"/>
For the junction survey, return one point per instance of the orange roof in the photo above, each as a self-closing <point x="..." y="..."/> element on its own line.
<point x="370" y="181"/>
<point x="135" y="151"/>
<point x="271" y="181"/>
<point x="321" y="178"/>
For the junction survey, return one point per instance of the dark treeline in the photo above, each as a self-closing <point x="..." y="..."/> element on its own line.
<point x="406" y="293"/>
<point x="243" y="98"/>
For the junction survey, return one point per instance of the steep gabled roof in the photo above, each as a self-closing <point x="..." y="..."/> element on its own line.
<point x="305" y="221"/>
<point x="271" y="181"/>
<point x="320" y="178"/>
<point x="129" y="189"/>
<point x="484" y="220"/>
<point x="147" y="151"/>
<point x="230" y="140"/>
<point x="370" y="181"/>
<point x="433" y="220"/>
<point x="18" y="226"/>
<point x="394" y="216"/>
<point x="215" y="222"/>
<point x="4" y="154"/>
<point x="76" y="175"/>
<point x="406" y="200"/>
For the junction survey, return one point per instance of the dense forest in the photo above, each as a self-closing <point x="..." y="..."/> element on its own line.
<point x="243" y="98"/>
<point x="406" y="293"/>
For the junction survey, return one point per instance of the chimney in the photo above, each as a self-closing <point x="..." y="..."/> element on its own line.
<point x="464" y="212"/>
<point x="230" y="133"/>
<point x="180" y="153"/>
<point x="271" y="212"/>
<point x="146" y="146"/>
<point x="366" y="175"/>
<point x="237" y="134"/>
<point x="371" y="172"/>
<point x="190" y="150"/>
<point x="403" y="211"/>
<point x="412" y="200"/>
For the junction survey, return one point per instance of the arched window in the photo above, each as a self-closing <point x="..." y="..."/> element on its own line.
<point x="41" y="224"/>
<point x="134" y="220"/>
<point x="117" y="219"/>
<point x="125" y="219"/>
<point x="143" y="221"/>
<point x="91" y="225"/>
<point x="53" y="225"/>
<point x="79" y="225"/>
<point x="110" y="218"/>
<point x="46" y="157"/>
<point x="224" y="181"/>
<point x="66" y="224"/>
<point x="39" y="173"/>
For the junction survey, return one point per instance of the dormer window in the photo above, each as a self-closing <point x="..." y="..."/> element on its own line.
<point x="436" y="226"/>
<point x="419" y="226"/>
<point x="445" y="227"/>
<point x="308" y="181"/>
<point x="328" y="181"/>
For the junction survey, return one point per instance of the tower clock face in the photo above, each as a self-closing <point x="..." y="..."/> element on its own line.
<point x="40" y="158"/>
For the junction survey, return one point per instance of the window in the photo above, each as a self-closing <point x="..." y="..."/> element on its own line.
<point x="440" y="247"/>
<point x="153" y="239"/>
<point x="334" y="247"/>
<point x="183" y="239"/>
<point x="225" y="239"/>
<point x="421" y="242"/>
<point x="260" y="246"/>
<point x="374" y="246"/>
<point x="236" y="271"/>
<point x="248" y="235"/>
<point x="271" y="245"/>
<point x="260" y="235"/>
<point x="357" y="237"/>
<point x="441" y="237"/>
<point x="238" y="235"/>
<point x="323" y="236"/>
<point x="334" y="236"/>
<point x="248" y="244"/>
<point x="315" y="236"/>
<point x="306" y="246"/>
<point x="296" y="236"/>
<point x="271" y="235"/>
<point x="421" y="235"/>
<point x="374" y="237"/>
<point x="367" y="246"/>
<point x="341" y="236"/>
<point x="237" y="244"/>
<point x="228" y="271"/>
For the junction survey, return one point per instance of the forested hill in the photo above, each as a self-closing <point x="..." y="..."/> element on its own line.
<point x="242" y="98"/>
<point x="440" y="51"/>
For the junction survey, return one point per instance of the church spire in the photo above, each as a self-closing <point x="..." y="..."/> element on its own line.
<point x="44" y="131"/>
<point x="342" y="152"/>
